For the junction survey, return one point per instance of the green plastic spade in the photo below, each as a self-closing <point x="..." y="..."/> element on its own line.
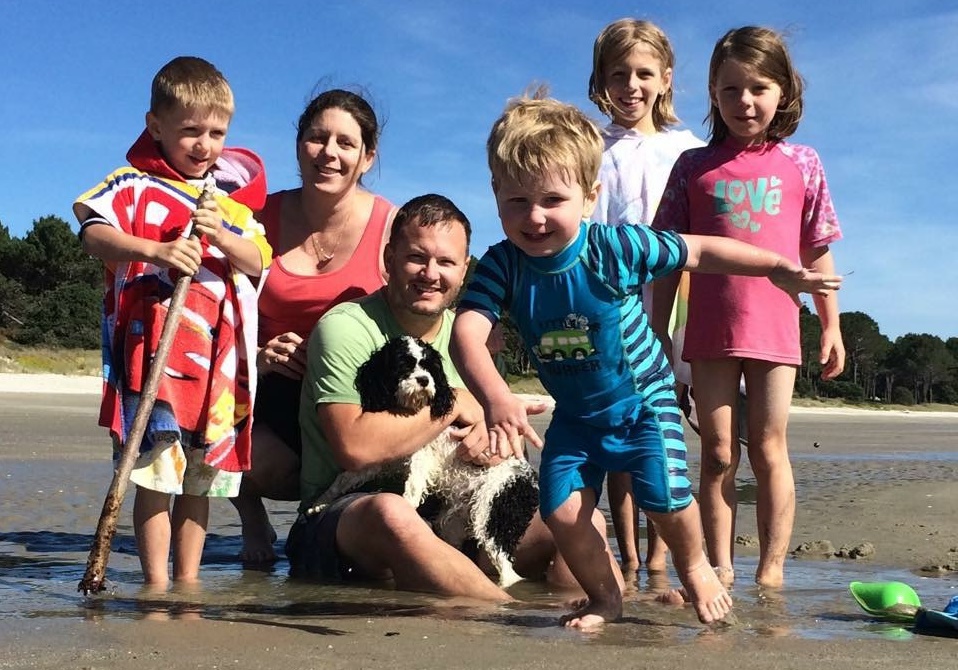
<point x="895" y="601"/>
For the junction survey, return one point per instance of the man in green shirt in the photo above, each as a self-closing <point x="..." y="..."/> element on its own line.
<point x="380" y="535"/>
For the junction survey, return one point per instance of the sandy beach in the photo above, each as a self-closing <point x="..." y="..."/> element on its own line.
<point x="883" y="484"/>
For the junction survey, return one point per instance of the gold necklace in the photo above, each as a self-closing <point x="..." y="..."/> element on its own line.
<point x="322" y="255"/>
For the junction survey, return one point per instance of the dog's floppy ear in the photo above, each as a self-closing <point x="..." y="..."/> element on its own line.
<point x="375" y="381"/>
<point x="445" y="397"/>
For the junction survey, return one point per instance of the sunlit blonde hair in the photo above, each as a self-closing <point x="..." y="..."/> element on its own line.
<point x="537" y="134"/>
<point x="763" y="51"/>
<point x="614" y="44"/>
<point x="191" y="82"/>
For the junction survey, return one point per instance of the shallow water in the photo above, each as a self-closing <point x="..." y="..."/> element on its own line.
<point x="54" y="474"/>
<point x="40" y="570"/>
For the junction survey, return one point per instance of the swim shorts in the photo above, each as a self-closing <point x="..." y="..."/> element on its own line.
<point x="169" y="468"/>
<point x="311" y="544"/>
<point x="650" y="446"/>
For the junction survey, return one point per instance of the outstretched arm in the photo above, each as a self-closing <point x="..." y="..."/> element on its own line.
<point x="722" y="255"/>
<point x="832" y="348"/>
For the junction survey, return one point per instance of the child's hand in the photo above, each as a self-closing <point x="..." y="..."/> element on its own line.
<point x="183" y="254"/>
<point x="208" y="221"/>
<point x="508" y="420"/>
<point x="794" y="279"/>
<point x="832" y="354"/>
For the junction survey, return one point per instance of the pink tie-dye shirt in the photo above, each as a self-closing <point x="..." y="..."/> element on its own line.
<point x="773" y="196"/>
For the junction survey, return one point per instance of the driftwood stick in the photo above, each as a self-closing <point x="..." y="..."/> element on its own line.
<point x="95" y="576"/>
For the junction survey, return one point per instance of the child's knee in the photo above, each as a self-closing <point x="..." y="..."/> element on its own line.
<point x="768" y="457"/>
<point x="719" y="457"/>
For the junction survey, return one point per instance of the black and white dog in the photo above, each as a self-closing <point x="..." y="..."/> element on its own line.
<point x="492" y="506"/>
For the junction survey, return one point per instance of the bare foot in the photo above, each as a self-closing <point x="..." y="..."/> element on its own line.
<point x="258" y="542"/>
<point x="672" y="597"/>
<point x="725" y="575"/>
<point x="709" y="598"/>
<point x="588" y="615"/>
<point x="770" y="578"/>
<point x="703" y="588"/>
<point x="656" y="562"/>
<point x="258" y="533"/>
<point x="657" y="554"/>
<point x="657" y="582"/>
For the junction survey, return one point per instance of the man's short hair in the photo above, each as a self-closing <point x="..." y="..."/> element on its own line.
<point x="428" y="210"/>
<point x="537" y="134"/>
<point x="191" y="82"/>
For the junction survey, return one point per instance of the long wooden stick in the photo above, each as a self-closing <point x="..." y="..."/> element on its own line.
<point x="95" y="576"/>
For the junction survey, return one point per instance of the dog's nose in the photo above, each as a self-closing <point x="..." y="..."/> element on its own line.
<point x="422" y="380"/>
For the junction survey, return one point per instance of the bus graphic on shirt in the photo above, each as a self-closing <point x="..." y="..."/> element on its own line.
<point x="560" y="345"/>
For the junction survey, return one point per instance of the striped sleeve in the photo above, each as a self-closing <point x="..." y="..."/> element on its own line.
<point x="629" y="256"/>
<point x="489" y="290"/>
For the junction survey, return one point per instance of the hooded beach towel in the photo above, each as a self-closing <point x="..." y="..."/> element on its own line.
<point x="206" y="394"/>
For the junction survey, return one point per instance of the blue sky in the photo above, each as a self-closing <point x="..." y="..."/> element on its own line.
<point x="881" y="104"/>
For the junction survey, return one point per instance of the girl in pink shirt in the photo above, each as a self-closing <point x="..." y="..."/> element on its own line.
<point x="752" y="185"/>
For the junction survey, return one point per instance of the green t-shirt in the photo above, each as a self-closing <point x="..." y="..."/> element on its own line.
<point x="343" y="340"/>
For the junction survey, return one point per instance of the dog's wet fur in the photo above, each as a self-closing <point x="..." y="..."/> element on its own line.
<point x="491" y="507"/>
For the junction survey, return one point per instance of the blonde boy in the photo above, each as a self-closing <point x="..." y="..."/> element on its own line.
<point x="138" y="221"/>
<point x="574" y="289"/>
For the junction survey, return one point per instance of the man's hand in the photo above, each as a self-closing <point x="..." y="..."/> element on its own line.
<point x="474" y="445"/>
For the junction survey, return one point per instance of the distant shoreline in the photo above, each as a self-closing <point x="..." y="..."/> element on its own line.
<point x="27" y="382"/>
<point x="11" y="382"/>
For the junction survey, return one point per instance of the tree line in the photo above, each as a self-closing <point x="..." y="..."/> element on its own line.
<point x="51" y="296"/>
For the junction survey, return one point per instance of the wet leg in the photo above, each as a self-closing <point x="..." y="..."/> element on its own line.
<point x="151" y="526"/>
<point x="275" y="475"/>
<point x="190" y="519"/>
<point x="590" y="560"/>
<point x="624" y="519"/>
<point x="717" y="388"/>
<point x="770" y="390"/>
<point x="385" y="536"/>
<point x="682" y="531"/>
<point x="657" y="552"/>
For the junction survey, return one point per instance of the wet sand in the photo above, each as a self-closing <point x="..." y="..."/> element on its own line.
<point x="887" y="479"/>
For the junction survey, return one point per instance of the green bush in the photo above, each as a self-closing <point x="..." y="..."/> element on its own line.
<point x="839" y="389"/>
<point x="804" y="389"/>
<point x="902" y="396"/>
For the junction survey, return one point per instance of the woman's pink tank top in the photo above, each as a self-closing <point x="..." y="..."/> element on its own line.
<point x="290" y="302"/>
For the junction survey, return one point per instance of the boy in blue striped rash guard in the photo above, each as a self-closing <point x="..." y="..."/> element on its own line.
<point x="574" y="290"/>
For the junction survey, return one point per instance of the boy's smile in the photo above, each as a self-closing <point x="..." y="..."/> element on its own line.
<point x="541" y="214"/>
<point x="191" y="138"/>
